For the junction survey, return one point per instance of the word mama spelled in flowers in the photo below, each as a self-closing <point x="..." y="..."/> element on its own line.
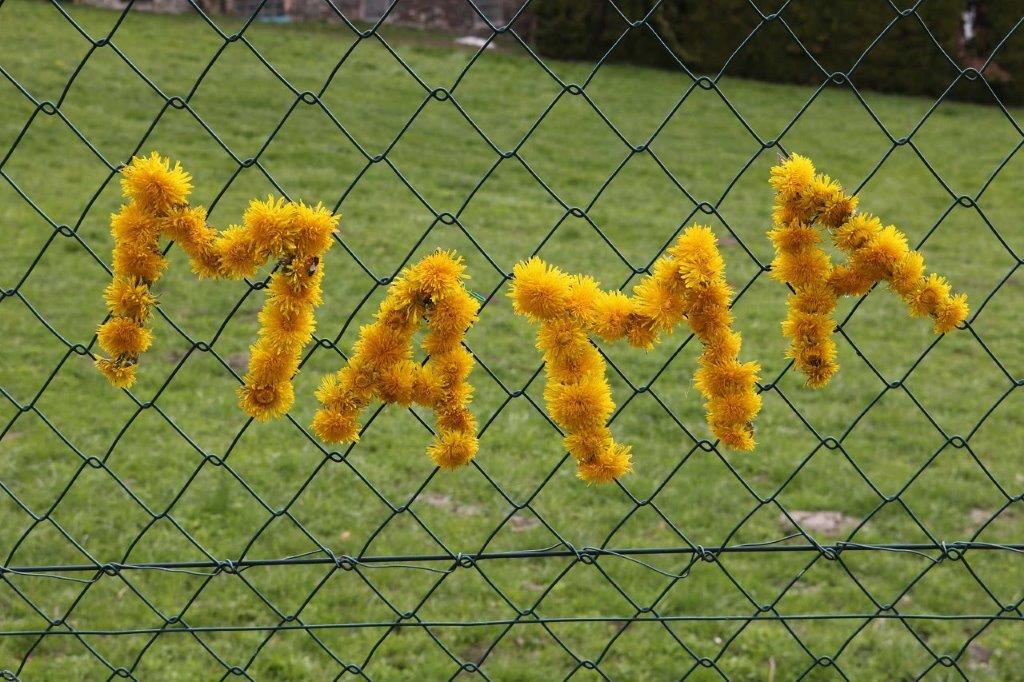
<point x="687" y="283"/>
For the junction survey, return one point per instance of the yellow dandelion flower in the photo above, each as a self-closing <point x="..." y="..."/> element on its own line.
<point x="568" y="367"/>
<point x="786" y="213"/>
<point x="665" y="273"/>
<point x="562" y="340"/>
<point x="452" y="396"/>
<point x="794" y="236"/>
<point x="449" y="320"/>
<point x="951" y="314"/>
<point x="721" y="346"/>
<point x="793" y="177"/>
<point x="808" y="327"/>
<point x="205" y="261"/>
<point x="803" y="267"/>
<point x="614" y="464"/>
<point x="124" y="336"/>
<point x="356" y="385"/>
<point x="185" y="224"/>
<point x="312" y="230"/>
<point x="286" y="327"/>
<point x="453" y="367"/>
<point x="817" y="298"/>
<point x="437" y="343"/>
<point x="140" y="261"/>
<point x="270" y="363"/>
<point x="907" y="274"/>
<point x="291" y="294"/>
<point x="129" y="298"/>
<point x="716" y="294"/>
<point x="851" y="280"/>
<point x="725" y="379"/>
<point x="335" y="426"/>
<point x="121" y="375"/>
<point x="664" y="307"/>
<point x="270" y="224"/>
<point x="696" y="254"/>
<point x="734" y="408"/>
<point x="426" y="388"/>
<point x="857" y="231"/>
<point x="863" y="273"/>
<point x="589" y="444"/>
<point x="457" y="419"/>
<point x="613" y="315"/>
<point x="819" y="193"/>
<point x="378" y="347"/>
<point x="405" y="320"/>
<point x="815" y="358"/>
<point x="395" y="383"/>
<point x="707" y="320"/>
<point x="333" y="394"/>
<point x="453" y="449"/>
<point x="437" y="273"/>
<point x="641" y="332"/>
<point x="359" y="378"/>
<point x="583" y="294"/>
<point x="239" y="255"/>
<point x="585" y="404"/>
<point x="403" y="297"/>
<point x="932" y="292"/>
<point x="736" y="436"/>
<point x="886" y="249"/>
<point x="154" y="184"/>
<point x="812" y="348"/>
<point x="135" y="224"/>
<point x="835" y="207"/>
<point x="266" y="401"/>
<point x="540" y="291"/>
<point x="817" y="366"/>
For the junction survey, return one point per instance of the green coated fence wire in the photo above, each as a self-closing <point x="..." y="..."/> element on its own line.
<point x="97" y="572"/>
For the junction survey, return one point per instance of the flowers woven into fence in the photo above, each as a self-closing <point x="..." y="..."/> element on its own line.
<point x="687" y="283"/>
<point x="294" y="234"/>
<point x="381" y="365"/>
<point x="805" y="200"/>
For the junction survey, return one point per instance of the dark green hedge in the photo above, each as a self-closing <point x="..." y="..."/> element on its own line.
<point x="703" y="34"/>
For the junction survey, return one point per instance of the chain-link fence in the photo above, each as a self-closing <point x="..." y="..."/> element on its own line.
<point x="158" y="533"/>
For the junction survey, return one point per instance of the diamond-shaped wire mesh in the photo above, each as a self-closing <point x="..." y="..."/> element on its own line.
<point x="157" y="532"/>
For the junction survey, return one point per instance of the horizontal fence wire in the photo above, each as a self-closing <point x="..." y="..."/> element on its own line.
<point x="669" y="564"/>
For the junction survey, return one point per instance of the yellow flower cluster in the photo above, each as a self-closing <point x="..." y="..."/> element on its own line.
<point x="689" y="283"/>
<point x="381" y="365"/>
<point x="294" y="234"/>
<point x="805" y="199"/>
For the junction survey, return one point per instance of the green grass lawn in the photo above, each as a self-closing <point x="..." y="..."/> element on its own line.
<point x="925" y="433"/>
